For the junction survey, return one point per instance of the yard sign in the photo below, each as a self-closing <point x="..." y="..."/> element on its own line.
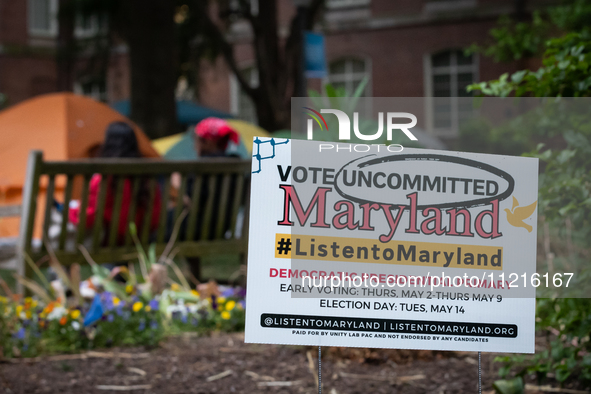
<point x="369" y="246"/>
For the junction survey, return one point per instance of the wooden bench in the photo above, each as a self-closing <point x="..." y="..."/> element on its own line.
<point x="227" y="182"/>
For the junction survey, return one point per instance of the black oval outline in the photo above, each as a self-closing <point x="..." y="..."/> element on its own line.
<point x="440" y="158"/>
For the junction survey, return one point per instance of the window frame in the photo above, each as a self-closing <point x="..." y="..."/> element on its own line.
<point x="52" y="31"/>
<point x="330" y="78"/>
<point x="338" y="4"/>
<point x="453" y="70"/>
<point x="236" y="91"/>
<point x="92" y="31"/>
<point x="95" y="94"/>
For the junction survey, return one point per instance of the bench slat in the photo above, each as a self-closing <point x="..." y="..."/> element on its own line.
<point x="132" y="208"/>
<point x="146" y="167"/>
<point x="162" y="223"/>
<point x="236" y="204"/>
<point x="99" y="214"/>
<point x="81" y="230"/>
<point x="149" y="212"/>
<point x="206" y="225"/>
<point x="48" y="204"/>
<point x="180" y="200"/>
<point x="195" y="201"/>
<point x="65" y="210"/>
<point x="223" y="207"/>
<point x="116" y="212"/>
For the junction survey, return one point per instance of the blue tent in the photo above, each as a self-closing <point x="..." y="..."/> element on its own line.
<point x="187" y="112"/>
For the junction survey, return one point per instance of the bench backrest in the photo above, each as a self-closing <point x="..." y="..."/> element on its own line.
<point x="219" y="187"/>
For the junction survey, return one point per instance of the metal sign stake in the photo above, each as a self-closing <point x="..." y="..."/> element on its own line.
<point x="319" y="370"/>
<point x="479" y="373"/>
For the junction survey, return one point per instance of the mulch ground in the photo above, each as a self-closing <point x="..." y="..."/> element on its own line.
<point x="223" y="363"/>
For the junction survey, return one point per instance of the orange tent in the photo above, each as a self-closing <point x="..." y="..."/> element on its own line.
<point x="64" y="126"/>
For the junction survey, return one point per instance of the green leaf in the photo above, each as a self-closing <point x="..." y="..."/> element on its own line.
<point x="513" y="386"/>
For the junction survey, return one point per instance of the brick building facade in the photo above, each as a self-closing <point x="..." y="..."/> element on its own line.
<point x="405" y="48"/>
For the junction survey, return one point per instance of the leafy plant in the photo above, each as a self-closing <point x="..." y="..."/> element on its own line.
<point x="338" y="98"/>
<point x="565" y="190"/>
<point x="139" y="310"/>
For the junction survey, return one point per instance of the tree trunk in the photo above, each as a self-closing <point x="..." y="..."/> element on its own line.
<point x="150" y="36"/>
<point x="66" y="46"/>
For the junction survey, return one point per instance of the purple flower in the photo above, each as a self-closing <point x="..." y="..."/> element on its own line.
<point x="142" y="325"/>
<point x="241" y="293"/>
<point x="214" y="303"/>
<point x="110" y="318"/>
<point x="228" y="292"/>
<point x="154" y="325"/>
<point x="194" y="321"/>
<point x="20" y="334"/>
<point x="107" y="299"/>
<point x="153" y="304"/>
<point x="184" y="318"/>
<point x="243" y="304"/>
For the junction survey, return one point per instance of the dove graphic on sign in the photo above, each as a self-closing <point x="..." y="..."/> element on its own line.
<point x="517" y="214"/>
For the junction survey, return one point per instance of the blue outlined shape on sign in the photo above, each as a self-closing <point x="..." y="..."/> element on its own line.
<point x="257" y="148"/>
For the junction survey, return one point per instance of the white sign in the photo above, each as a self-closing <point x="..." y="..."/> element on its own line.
<point x="354" y="245"/>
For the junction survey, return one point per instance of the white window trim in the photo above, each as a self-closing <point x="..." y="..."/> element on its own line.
<point x="93" y="30"/>
<point x="254" y="6"/>
<point x="335" y="4"/>
<point x="449" y="5"/>
<point x="368" y="72"/>
<point x="453" y="70"/>
<point x="235" y="89"/>
<point x="95" y="94"/>
<point x="53" y="22"/>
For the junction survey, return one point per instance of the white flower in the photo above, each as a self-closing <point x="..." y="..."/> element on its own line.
<point x="57" y="313"/>
<point x="76" y="325"/>
<point x="176" y="308"/>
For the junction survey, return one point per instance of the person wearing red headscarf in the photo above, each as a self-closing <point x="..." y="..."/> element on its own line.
<point x="212" y="140"/>
<point x="213" y="136"/>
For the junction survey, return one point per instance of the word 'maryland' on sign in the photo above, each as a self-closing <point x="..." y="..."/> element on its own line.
<point x="345" y="216"/>
<point x="394" y="216"/>
<point x="429" y="254"/>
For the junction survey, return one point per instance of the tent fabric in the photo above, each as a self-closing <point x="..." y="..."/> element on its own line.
<point x="247" y="132"/>
<point x="187" y="112"/>
<point x="182" y="146"/>
<point x="163" y="145"/>
<point x="62" y="125"/>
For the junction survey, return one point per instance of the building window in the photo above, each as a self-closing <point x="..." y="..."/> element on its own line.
<point x="348" y="73"/>
<point x="89" y="26"/>
<point x="450" y="73"/>
<point x="92" y="87"/>
<point x="234" y="5"/>
<point x="242" y="105"/>
<point x="346" y="3"/>
<point x="436" y="6"/>
<point x="42" y="15"/>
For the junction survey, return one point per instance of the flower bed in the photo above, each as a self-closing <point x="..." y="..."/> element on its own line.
<point x="30" y="327"/>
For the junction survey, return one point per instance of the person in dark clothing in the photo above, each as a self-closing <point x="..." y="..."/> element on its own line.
<point x="120" y="142"/>
<point x="213" y="136"/>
